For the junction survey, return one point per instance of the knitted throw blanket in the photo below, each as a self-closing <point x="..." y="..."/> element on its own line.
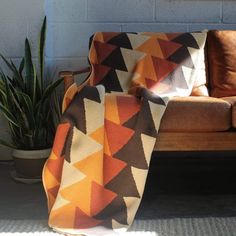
<point x="95" y="176"/>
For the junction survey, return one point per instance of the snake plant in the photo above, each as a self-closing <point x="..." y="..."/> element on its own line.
<point x="26" y="100"/>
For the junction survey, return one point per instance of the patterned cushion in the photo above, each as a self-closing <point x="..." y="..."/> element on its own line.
<point x="123" y="61"/>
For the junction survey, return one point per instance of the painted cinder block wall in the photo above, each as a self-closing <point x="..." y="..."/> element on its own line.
<point x="18" y="19"/>
<point x="71" y="22"/>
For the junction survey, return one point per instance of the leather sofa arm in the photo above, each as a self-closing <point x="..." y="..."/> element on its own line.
<point x="232" y="101"/>
<point x="69" y="76"/>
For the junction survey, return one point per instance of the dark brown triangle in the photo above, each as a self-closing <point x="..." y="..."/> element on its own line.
<point x="70" y="114"/>
<point x="111" y="82"/>
<point x="128" y="189"/>
<point x="153" y="97"/>
<point x="131" y="123"/>
<point x="115" y="60"/>
<point x="144" y="122"/>
<point x="182" y="57"/>
<point x="133" y="154"/>
<point x="121" y="40"/>
<point x="67" y="146"/>
<point x="90" y="93"/>
<point x="116" y="210"/>
<point x="187" y="40"/>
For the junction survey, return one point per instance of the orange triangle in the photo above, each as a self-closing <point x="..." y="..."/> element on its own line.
<point x="93" y="55"/>
<point x="127" y="106"/>
<point x="145" y="68"/>
<point x="55" y="167"/>
<point x="156" y="35"/>
<point x="63" y="217"/>
<point x="107" y="150"/>
<point x="92" y="167"/>
<point x="112" y="167"/>
<point x="111" y="112"/>
<point x="98" y="135"/>
<point x="117" y="135"/>
<point x="163" y="67"/>
<point x="151" y="47"/>
<point x="99" y="37"/>
<point x="100" y="198"/>
<point x="168" y="47"/>
<point x="79" y="194"/>
<point x="83" y="221"/>
<point x="103" y="50"/>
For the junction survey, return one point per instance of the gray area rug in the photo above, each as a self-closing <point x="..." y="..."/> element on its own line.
<point x="163" y="227"/>
<point x="182" y="198"/>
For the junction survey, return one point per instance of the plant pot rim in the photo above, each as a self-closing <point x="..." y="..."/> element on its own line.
<point x="31" y="154"/>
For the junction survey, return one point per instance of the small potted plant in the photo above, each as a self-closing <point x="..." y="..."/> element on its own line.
<point x="26" y="99"/>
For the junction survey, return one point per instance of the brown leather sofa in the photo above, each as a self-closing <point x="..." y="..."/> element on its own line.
<point x="205" y="121"/>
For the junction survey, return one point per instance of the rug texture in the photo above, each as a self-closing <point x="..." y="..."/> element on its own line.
<point x="96" y="173"/>
<point x="212" y="226"/>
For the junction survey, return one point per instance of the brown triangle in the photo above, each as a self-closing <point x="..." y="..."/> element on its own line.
<point x="128" y="189"/>
<point x="83" y="221"/>
<point x="107" y="36"/>
<point x="163" y="67"/>
<point x="132" y="153"/>
<point x="168" y="47"/>
<point x="115" y="210"/>
<point x="99" y="73"/>
<point x="103" y="50"/>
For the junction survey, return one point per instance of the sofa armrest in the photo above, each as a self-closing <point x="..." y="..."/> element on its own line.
<point x="69" y="76"/>
<point x="232" y="101"/>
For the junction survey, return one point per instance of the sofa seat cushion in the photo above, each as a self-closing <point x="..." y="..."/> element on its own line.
<point x="196" y="114"/>
<point x="232" y="101"/>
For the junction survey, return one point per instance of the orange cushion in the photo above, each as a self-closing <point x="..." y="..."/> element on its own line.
<point x="222" y="62"/>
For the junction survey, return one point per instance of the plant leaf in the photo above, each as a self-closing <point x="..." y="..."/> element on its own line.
<point x="8" y="115"/>
<point x="29" y="69"/>
<point x="7" y="63"/>
<point x="51" y="87"/>
<point x="41" y="48"/>
<point x="22" y="64"/>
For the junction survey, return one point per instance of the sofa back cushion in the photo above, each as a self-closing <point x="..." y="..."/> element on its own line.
<point x="222" y="62"/>
<point x="123" y="61"/>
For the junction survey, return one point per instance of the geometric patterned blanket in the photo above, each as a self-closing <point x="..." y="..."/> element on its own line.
<point x="95" y="176"/>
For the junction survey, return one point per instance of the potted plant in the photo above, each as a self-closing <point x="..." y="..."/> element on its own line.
<point x="26" y="99"/>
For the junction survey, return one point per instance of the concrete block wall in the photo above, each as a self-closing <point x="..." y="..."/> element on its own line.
<point x="18" y="19"/>
<point x="72" y="22"/>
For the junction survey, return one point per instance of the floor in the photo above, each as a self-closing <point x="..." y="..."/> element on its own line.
<point x="178" y="186"/>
